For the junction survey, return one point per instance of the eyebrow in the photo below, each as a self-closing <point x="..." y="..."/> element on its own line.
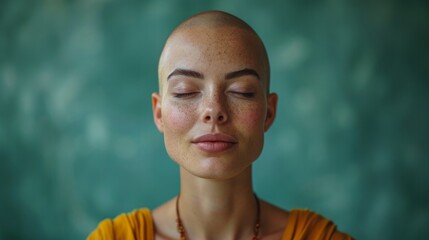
<point x="185" y="72"/>
<point x="228" y="76"/>
<point x="243" y="72"/>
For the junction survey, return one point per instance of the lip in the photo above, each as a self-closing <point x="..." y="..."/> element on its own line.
<point x="214" y="142"/>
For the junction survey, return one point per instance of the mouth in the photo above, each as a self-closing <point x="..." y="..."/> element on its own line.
<point x="214" y="142"/>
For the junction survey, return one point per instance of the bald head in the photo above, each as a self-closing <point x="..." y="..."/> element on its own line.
<point x="208" y="32"/>
<point x="212" y="19"/>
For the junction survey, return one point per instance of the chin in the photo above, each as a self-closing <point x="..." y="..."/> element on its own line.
<point x="215" y="169"/>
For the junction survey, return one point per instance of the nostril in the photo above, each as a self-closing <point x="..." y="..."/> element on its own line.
<point x="220" y="118"/>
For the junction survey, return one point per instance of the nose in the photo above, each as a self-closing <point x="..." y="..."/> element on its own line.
<point x="214" y="109"/>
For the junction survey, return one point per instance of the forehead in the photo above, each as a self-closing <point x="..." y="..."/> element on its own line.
<point x="213" y="50"/>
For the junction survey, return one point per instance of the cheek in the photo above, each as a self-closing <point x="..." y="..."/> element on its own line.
<point x="178" y="118"/>
<point x="251" y="117"/>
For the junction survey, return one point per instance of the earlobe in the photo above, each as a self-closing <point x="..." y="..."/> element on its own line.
<point x="271" y="110"/>
<point x="157" y="113"/>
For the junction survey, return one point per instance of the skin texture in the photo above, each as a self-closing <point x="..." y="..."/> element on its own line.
<point x="214" y="78"/>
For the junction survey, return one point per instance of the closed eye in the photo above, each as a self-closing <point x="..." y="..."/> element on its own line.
<point x="245" y="94"/>
<point x="184" y="95"/>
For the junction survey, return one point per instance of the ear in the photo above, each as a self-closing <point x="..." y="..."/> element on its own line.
<point x="271" y="110"/>
<point x="157" y="113"/>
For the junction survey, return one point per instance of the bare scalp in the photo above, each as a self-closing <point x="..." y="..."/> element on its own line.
<point x="209" y="20"/>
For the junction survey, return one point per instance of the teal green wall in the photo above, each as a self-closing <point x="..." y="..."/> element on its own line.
<point x="78" y="143"/>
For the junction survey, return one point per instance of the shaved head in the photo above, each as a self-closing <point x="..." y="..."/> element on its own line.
<point x="218" y="24"/>
<point x="214" y="19"/>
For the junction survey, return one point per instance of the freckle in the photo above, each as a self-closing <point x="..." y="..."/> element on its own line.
<point x="185" y="109"/>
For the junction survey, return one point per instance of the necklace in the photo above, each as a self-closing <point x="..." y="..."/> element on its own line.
<point x="182" y="231"/>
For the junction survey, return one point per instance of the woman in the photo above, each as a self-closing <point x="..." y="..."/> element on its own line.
<point x="213" y="108"/>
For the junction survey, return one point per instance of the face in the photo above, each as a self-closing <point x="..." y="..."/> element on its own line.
<point x="213" y="107"/>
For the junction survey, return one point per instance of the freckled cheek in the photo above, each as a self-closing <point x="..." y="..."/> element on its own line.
<point x="178" y="118"/>
<point x="251" y="117"/>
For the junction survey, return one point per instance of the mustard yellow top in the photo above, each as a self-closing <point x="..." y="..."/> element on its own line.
<point x="138" y="225"/>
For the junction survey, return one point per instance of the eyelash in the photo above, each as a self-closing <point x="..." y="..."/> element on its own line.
<point x="245" y="94"/>
<point x="183" y="95"/>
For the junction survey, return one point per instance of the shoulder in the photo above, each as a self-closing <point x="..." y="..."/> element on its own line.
<point x="136" y="225"/>
<point x="305" y="224"/>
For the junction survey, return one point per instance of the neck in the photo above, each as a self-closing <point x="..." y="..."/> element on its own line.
<point x="217" y="209"/>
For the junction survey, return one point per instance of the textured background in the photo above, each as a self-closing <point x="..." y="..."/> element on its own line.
<point x="78" y="144"/>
